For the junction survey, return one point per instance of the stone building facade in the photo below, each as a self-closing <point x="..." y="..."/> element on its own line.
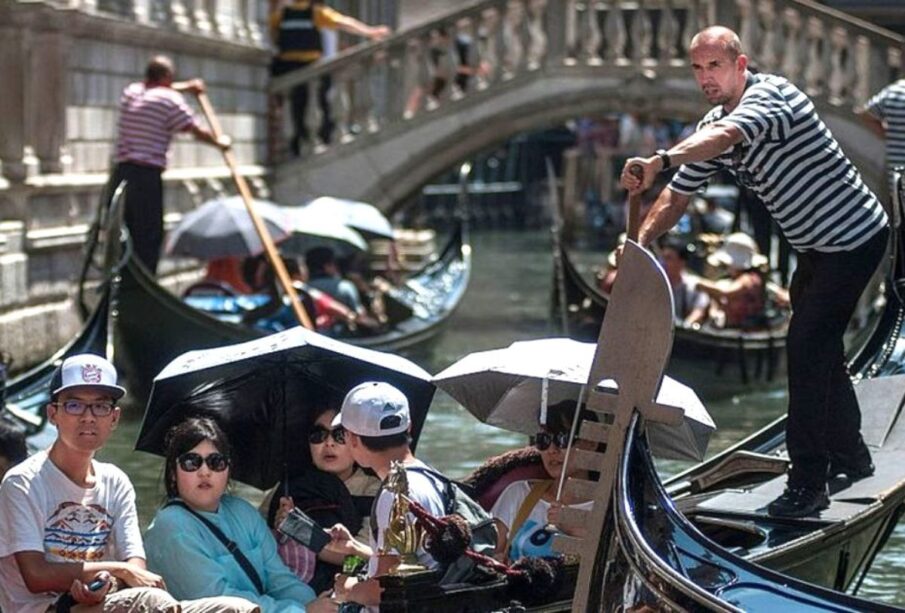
<point x="63" y="65"/>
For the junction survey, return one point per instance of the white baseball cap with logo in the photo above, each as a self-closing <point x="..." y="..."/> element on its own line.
<point x="86" y="370"/>
<point x="374" y="409"/>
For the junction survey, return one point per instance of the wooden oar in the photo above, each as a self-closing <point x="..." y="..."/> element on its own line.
<point x="269" y="247"/>
<point x="634" y="206"/>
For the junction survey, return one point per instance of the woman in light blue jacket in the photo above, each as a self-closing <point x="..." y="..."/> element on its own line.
<point x="188" y="541"/>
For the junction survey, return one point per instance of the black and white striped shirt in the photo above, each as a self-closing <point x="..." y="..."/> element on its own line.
<point x="889" y="105"/>
<point x="789" y="158"/>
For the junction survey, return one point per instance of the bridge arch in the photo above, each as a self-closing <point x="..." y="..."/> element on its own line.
<point x="552" y="60"/>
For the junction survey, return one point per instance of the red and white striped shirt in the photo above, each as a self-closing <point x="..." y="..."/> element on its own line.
<point x="148" y="118"/>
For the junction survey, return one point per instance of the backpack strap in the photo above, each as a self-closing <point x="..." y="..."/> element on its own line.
<point x="447" y="494"/>
<point x="230" y="545"/>
<point x="537" y="491"/>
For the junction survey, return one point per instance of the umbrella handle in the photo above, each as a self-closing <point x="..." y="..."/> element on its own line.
<point x="269" y="247"/>
<point x="565" y="463"/>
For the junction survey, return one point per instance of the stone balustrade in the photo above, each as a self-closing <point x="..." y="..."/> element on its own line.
<point x="840" y="61"/>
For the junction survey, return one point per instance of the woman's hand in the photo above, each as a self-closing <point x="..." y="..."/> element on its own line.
<point x="343" y="543"/>
<point x="554" y="517"/>
<point x="322" y="604"/>
<point x="286" y="505"/>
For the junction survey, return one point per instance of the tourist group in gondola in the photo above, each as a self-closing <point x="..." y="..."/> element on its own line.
<point x="314" y="415"/>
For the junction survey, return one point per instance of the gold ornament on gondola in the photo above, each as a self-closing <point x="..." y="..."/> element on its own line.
<point x="401" y="534"/>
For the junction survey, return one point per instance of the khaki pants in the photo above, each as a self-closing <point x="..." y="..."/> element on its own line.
<point x="153" y="600"/>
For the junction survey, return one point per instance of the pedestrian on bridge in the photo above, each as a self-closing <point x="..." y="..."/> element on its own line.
<point x="150" y="113"/>
<point x="767" y="133"/>
<point x="296" y="31"/>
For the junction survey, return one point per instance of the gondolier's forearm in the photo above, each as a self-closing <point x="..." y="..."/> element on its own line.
<point x="663" y="215"/>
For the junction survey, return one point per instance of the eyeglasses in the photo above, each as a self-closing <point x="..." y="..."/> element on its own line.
<point x="319" y="435"/>
<point x="543" y="440"/>
<point x="190" y="462"/>
<point x="78" y="407"/>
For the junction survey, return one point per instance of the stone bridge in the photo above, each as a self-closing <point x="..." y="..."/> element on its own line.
<point x="539" y="62"/>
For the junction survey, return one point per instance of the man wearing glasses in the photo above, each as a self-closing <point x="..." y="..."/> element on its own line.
<point x="767" y="133"/>
<point x="69" y="532"/>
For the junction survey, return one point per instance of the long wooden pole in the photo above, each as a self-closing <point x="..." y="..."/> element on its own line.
<point x="634" y="206"/>
<point x="269" y="247"/>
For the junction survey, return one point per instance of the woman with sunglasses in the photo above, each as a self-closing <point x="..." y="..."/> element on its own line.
<point x="337" y="491"/>
<point x="205" y="542"/>
<point x="527" y="511"/>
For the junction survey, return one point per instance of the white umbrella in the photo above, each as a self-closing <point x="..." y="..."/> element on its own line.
<point x="310" y="229"/>
<point x="223" y="227"/>
<point x="360" y="216"/>
<point x="502" y="387"/>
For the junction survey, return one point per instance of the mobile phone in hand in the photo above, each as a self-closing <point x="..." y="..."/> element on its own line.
<point x="97" y="585"/>
<point x="305" y="530"/>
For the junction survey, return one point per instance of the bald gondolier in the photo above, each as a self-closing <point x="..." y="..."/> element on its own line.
<point x="767" y="133"/>
<point x="150" y="113"/>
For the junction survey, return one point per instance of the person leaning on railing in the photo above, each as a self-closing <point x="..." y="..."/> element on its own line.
<point x="295" y="28"/>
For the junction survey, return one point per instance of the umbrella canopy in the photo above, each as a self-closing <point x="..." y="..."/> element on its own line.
<point x="262" y="393"/>
<point x="222" y="227"/>
<point x="360" y="216"/>
<point x="502" y="387"/>
<point x="311" y="229"/>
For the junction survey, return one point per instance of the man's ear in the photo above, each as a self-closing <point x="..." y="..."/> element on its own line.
<point x="117" y="413"/>
<point x="742" y="62"/>
<point x="51" y="409"/>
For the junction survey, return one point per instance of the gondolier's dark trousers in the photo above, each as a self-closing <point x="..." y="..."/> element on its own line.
<point x="144" y="209"/>
<point x="824" y="417"/>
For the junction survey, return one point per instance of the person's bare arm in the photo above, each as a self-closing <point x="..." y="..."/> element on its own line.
<point x="40" y="575"/>
<point x="874" y="123"/>
<point x="723" y="289"/>
<point x="204" y="135"/>
<point x="358" y="28"/>
<point x="663" y="215"/>
<point x="192" y="86"/>
<point x="705" y="144"/>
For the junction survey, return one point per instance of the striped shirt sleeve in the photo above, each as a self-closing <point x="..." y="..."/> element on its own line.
<point x="763" y="113"/>
<point x="181" y="117"/>
<point x="692" y="177"/>
<point x="877" y="104"/>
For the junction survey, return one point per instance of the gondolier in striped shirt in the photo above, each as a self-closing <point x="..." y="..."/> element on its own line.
<point x="151" y="112"/>
<point x="885" y="115"/>
<point x="767" y="133"/>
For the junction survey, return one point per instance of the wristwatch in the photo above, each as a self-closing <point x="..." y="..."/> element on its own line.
<point x="664" y="157"/>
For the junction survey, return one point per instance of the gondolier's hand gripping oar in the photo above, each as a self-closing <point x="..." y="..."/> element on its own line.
<point x="633" y="223"/>
<point x="269" y="248"/>
<point x="634" y="205"/>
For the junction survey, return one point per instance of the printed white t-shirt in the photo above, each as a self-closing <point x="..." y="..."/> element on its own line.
<point x="42" y="510"/>
<point x="533" y="538"/>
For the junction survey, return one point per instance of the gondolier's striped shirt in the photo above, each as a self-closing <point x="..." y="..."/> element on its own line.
<point x="789" y="158"/>
<point x="889" y="105"/>
<point x="149" y="116"/>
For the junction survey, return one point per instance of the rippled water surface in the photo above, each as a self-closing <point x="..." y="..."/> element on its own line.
<point x="509" y="300"/>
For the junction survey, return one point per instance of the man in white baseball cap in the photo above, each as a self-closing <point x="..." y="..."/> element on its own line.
<point x="375" y="417"/>
<point x="96" y="501"/>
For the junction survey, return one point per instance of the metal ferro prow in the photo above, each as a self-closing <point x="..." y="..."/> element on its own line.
<point x="401" y="533"/>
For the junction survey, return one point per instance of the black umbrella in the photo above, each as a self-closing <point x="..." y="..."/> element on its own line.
<point x="262" y="393"/>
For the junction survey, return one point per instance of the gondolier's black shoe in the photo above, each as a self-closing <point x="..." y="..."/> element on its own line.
<point x="799" y="502"/>
<point x="855" y="466"/>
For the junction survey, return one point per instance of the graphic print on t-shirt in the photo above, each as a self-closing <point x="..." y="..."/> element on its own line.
<point x="532" y="539"/>
<point x="78" y="532"/>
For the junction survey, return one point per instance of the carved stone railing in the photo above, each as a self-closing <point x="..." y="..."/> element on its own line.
<point x="408" y="78"/>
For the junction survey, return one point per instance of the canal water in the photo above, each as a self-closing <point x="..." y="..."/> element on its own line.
<point x="508" y="300"/>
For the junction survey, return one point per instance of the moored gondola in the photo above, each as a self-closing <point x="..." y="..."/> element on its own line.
<point x="757" y="354"/>
<point x="151" y="326"/>
<point x="27" y="394"/>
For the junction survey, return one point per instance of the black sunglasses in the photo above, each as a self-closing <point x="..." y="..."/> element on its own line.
<point x="543" y="440"/>
<point x="190" y="462"/>
<point x="319" y="435"/>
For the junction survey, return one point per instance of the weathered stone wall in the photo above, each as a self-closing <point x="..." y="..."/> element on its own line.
<point x="64" y="65"/>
